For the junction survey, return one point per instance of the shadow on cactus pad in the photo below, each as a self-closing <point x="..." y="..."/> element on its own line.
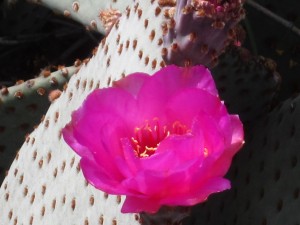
<point x="22" y="107"/>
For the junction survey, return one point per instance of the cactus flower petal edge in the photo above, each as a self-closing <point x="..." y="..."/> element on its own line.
<point x="157" y="144"/>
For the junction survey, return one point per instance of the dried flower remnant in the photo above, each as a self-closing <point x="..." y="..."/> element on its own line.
<point x="161" y="140"/>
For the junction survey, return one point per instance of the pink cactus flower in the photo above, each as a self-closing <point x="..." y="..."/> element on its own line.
<point x="165" y="139"/>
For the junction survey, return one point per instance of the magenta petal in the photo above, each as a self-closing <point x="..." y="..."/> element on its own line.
<point x="97" y="113"/>
<point x="186" y="105"/>
<point x="169" y="81"/>
<point x="135" y="205"/>
<point x="150" y="183"/>
<point x="100" y="178"/>
<point x="79" y="148"/>
<point x="178" y="78"/>
<point x="175" y="151"/>
<point x="200" y="194"/>
<point x="214" y="139"/>
<point x="132" y="83"/>
<point x="132" y="162"/>
<point x="99" y="127"/>
<point x="237" y="133"/>
<point x="109" y="129"/>
<point x="115" y="101"/>
<point x="160" y="184"/>
<point x="161" y="187"/>
<point x="222" y="164"/>
<point x="97" y="116"/>
<point x="165" y="139"/>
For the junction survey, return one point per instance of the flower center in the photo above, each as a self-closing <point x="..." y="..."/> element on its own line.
<point x="146" y="138"/>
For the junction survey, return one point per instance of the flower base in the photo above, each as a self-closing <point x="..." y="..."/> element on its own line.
<point x="165" y="216"/>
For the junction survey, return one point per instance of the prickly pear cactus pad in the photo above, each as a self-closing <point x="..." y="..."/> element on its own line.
<point x="207" y="27"/>
<point x="248" y="84"/>
<point x="94" y="14"/>
<point x="44" y="184"/>
<point x="22" y="107"/>
<point x="265" y="175"/>
<point x="273" y="40"/>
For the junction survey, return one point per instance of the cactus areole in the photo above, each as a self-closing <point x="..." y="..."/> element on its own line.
<point x="165" y="139"/>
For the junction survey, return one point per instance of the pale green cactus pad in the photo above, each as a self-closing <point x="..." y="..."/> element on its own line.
<point x="271" y="39"/>
<point x="44" y="184"/>
<point x="96" y="15"/>
<point x="22" y="107"/>
<point x="265" y="175"/>
<point x="246" y="83"/>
